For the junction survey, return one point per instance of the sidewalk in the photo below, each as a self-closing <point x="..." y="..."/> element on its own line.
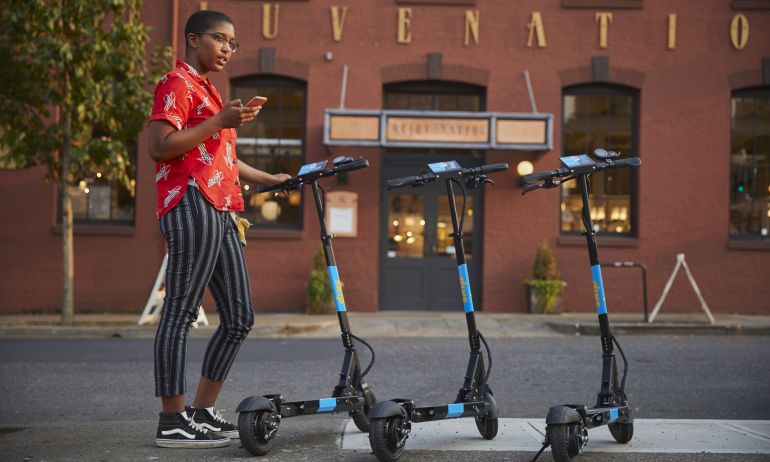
<point x="396" y="324"/>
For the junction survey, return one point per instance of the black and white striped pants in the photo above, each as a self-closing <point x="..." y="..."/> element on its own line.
<point x="203" y="250"/>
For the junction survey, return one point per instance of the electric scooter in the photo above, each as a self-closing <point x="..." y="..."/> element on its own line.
<point x="567" y="425"/>
<point x="391" y="421"/>
<point x="260" y="416"/>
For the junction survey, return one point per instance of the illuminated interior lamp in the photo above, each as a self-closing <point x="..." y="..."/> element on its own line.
<point x="524" y="167"/>
<point x="270" y="210"/>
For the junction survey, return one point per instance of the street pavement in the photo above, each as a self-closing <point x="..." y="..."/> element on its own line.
<point x="397" y="324"/>
<point x="59" y="385"/>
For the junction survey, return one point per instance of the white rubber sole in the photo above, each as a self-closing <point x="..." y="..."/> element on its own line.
<point x="233" y="434"/>
<point x="173" y="443"/>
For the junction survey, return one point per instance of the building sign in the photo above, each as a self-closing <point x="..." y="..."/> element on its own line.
<point x="342" y="213"/>
<point x="421" y="129"/>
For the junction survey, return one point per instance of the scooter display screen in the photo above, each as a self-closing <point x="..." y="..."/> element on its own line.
<point x="578" y="163"/>
<point x="311" y="168"/>
<point x="443" y="167"/>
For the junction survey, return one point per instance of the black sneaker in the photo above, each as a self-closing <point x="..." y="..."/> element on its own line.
<point x="178" y="431"/>
<point x="210" y="419"/>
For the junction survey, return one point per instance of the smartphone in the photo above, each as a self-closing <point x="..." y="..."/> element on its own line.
<point x="256" y="101"/>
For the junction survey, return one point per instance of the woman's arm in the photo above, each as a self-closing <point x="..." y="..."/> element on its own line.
<point x="166" y="142"/>
<point x="248" y="173"/>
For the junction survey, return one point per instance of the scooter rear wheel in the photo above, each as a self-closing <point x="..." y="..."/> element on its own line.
<point x="361" y="418"/>
<point x="387" y="437"/>
<point x="488" y="425"/>
<point x="257" y="430"/>
<point x="622" y="431"/>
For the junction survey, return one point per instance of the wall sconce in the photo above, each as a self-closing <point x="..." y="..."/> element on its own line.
<point x="524" y="167"/>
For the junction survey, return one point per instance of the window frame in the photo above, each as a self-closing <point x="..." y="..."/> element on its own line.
<point x="751" y="92"/>
<point x="95" y="224"/>
<point x="608" y="89"/>
<point x="282" y="82"/>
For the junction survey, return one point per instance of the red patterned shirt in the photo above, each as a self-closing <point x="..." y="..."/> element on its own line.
<point x="185" y="99"/>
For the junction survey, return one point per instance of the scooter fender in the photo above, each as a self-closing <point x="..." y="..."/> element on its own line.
<point x="255" y="403"/>
<point x="558" y="415"/>
<point x="383" y="409"/>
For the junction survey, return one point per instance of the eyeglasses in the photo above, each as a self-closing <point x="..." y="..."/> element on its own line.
<point x="222" y="40"/>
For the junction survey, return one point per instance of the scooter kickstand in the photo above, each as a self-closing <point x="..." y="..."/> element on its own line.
<point x="545" y="446"/>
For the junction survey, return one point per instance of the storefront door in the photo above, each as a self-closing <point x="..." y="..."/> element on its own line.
<point x="418" y="268"/>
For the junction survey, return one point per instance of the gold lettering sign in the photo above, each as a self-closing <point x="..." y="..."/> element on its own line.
<point x="434" y="130"/>
<point x="603" y="19"/>
<point x="536" y="28"/>
<point x="360" y="128"/>
<point x="671" y="31"/>
<point x="268" y="18"/>
<point x="204" y="6"/>
<point x="520" y="131"/>
<point x="338" y="22"/>
<point x="404" y="25"/>
<point x="471" y="27"/>
<point x="739" y="31"/>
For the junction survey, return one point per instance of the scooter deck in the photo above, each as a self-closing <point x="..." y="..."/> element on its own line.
<point x="319" y="406"/>
<point x="442" y="412"/>
<point x="604" y="415"/>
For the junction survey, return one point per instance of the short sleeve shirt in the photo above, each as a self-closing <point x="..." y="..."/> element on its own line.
<point x="185" y="99"/>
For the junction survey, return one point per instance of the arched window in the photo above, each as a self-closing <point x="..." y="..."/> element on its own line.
<point x="601" y="116"/>
<point x="274" y="142"/>
<point x="750" y="163"/>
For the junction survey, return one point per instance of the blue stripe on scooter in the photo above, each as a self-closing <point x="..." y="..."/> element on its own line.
<point x="465" y="288"/>
<point x="614" y="414"/>
<point x="455" y="410"/>
<point x="327" y="404"/>
<point x="601" y="304"/>
<point x="334" y="277"/>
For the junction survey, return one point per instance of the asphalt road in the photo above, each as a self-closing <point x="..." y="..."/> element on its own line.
<point x="93" y="399"/>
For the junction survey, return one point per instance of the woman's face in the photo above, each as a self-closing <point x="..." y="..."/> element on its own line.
<point x="212" y="47"/>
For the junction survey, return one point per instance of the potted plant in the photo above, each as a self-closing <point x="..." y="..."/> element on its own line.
<point x="319" y="299"/>
<point x="544" y="289"/>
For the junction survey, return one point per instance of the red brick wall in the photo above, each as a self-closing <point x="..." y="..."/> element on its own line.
<point x="683" y="141"/>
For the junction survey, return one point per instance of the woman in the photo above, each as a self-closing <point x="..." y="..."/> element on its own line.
<point x="192" y="139"/>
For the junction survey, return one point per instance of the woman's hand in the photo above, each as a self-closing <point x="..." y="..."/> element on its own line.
<point x="234" y="114"/>
<point x="280" y="178"/>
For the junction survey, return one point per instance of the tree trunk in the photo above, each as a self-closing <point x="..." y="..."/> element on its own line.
<point x="68" y="257"/>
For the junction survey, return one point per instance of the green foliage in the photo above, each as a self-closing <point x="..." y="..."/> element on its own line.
<point x="76" y="85"/>
<point x="545" y="284"/>
<point x="545" y="292"/>
<point x="320" y="299"/>
<point x="544" y="267"/>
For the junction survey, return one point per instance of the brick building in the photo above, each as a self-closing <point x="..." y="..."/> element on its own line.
<point x="684" y="86"/>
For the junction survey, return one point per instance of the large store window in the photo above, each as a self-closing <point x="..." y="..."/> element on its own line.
<point x="274" y="143"/>
<point x="99" y="199"/>
<point x="601" y="117"/>
<point x="750" y="164"/>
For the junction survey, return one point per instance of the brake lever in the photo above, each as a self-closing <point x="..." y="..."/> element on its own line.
<point x="531" y="188"/>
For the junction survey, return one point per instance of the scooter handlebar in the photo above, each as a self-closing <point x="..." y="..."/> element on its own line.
<point x="630" y="162"/>
<point x="350" y="166"/>
<point x="395" y="183"/>
<point x="296" y="181"/>
<point x="544" y="175"/>
<point x="484" y="169"/>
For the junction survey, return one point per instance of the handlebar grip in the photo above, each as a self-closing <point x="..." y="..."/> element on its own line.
<point x="630" y="162"/>
<point x="275" y="187"/>
<point x="492" y="168"/>
<point x="537" y="176"/>
<point x="394" y="183"/>
<point x="354" y="165"/>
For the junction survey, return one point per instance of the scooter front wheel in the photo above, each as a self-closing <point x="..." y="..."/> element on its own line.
<point x="387" y="437"/>
<point x="257" y="430"/>
<point x="488" y="425"/>
<point x="567" y="440"/>
<point x="622" y="431"/>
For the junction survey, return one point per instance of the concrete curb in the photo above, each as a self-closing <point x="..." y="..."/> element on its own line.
<point x="641" y="328"/>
